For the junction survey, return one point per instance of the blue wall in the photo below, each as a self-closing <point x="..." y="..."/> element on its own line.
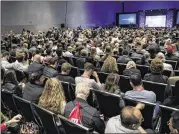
<point x="132" y="6"/>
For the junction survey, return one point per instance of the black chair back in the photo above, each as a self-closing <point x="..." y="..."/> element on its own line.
<point x="124" y="83"/>
<point x="109" y="104"/>
<point x="147" y="112"/>
<point x="176" y="72"/>
<point x="143" y="69"/>
<point x="8" y="101"/>
<point x="69" y="92"/>
<point x="81" y="71"/>
<point x="2" y="74"/>
<point x="135" y="59"/>
<point x="90" y="99"/>
<point x="173" y="63"/>
<point x="101" y="63"/>
<point x="74" y="72"/>
<point x="175" y="92"/>
<point x="167" y="73"/>
<point x="47" y="119"/>
<point x="121" y="68"/>
<point x="73" y="128"/>
<point x="157" y="88"/>
<point x="102" y="76"/>
<point x="20" y="75"/>
<point x="166" y="115"/>
<point x="24" y="108"/>
<point x="74" y="60"/>
<point x="69" y="60"/>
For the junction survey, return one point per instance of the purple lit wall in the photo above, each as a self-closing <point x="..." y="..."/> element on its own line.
<point x="141" y="19"/>
<point x="134" y="6"/>
<point x="92" y="13"/>
<point x="170" y="16"/>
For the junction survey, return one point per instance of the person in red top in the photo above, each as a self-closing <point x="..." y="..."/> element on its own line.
<point x="15" y="119"/>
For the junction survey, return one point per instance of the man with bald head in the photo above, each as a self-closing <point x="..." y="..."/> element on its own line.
<point x="129" y="121"/>
<point x="36" y="65"/>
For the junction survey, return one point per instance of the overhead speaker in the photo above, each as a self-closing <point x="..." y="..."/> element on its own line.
<point x="62" y="25"/>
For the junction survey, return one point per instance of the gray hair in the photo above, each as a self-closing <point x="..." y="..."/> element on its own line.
<point x="161" y="56"/>
<point x="82" y="90"/>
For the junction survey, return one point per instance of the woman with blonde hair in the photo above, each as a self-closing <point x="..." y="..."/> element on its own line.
<point x="156" y="69"/>
<point x="111" y="83"/>
<point x="94" y="55"/>
<point x="110" y="65"/>
<point x="131" y="69"/>
<point x="53" y="98"/>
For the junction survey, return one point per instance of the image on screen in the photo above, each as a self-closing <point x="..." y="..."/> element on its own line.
<point x="155" y="21"/>
<point x="126" y="19"/>
<point x="178" y="17"/>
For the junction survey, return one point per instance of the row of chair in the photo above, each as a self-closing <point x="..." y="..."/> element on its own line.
<point x="171" y="62"/>
<point x="124" y="84"/>
<point x="109" y="105"/>
<point x="46" y="120"/>
<point x="121" y="67"/>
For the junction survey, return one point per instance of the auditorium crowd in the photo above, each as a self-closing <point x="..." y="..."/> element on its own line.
<point x="35" y="66"/>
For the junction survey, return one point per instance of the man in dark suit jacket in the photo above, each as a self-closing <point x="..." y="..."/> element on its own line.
<point x="34" y="88"/>
<point x="125" y="58"/>
<point x="80" y="62"/>
<point x="65" y="71"/>
<point x="90" y="116"/>
<point x="36" y="66"/>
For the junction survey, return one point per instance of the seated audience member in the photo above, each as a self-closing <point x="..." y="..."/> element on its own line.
<point x="111" y="84"/>
<point x="90" y="116"/>
<point x="99" y="51"/>
<point x="33" y="47"/>
<point x="166" y="66"/>
<point x="109" y="65"/>
<point x="48" y="55"/>
<point x="152" y="50"/>
<point x="11" y="83"/>
<point x="34" y="88"/>
<point x="144" y="60"/>
<point x="68" y="53"/>
<point x="174" y="123"/>
<point x="88" y="72"/>
<point x="156" y="69"/>
<point x="36" y="65"/>
<point x="6" y="124"/>
<point x="170" y="99"/>
<point x="81" y="60"/>
<point x="50" y="70"/>
<point x="131" y="69"/>
<point x="4" y="61"/>
<point x="64" y="75"/>
<point x="53" y="98"/>
<point x="12" y="56"/>
<point x="129" y="121"/>
<point x="78" y="50"/>
<point x="170" y="54"/>
<point x="138" y="92"/>
<point x="124" y="58"/>
<point x="108" y="52"/>
<point x="60" y="59"/>
<point x="94" y="55"/>
<point x="120" y="50"/>
<point x="18" y="64"/>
